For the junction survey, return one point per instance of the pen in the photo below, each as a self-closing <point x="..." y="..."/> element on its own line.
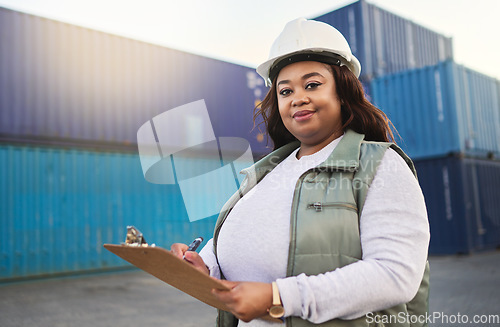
<point x="194" y="245"/>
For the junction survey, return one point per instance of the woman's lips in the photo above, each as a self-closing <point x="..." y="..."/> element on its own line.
<point x="303" y="115"/>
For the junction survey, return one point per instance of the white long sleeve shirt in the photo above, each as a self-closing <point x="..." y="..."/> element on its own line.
<point x="394" y="237"/>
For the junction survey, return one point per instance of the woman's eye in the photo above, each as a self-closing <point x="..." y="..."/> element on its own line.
<point x="285" y="92"/>
<point x="312" y="85"/>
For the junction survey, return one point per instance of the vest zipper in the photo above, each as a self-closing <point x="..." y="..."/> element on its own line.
<point x="318" y="206"/>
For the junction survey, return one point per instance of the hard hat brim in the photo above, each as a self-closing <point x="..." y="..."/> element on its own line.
<point x="264" y="69"/>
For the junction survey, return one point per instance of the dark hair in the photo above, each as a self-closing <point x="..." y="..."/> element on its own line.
<point x="358" y="113"/>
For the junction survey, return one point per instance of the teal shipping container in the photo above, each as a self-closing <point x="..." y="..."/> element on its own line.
<point x="442" y="109"/>
<point x="58" y="207"/>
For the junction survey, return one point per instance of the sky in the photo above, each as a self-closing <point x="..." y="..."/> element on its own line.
<point x="242" y="31"/>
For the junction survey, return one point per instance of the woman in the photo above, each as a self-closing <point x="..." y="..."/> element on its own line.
<point x="332" y="227"/>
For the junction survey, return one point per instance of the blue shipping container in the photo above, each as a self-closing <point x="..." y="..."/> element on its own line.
<point x="58" y="207"/>
<point x="441" y="109"/>
<point x="66" y="82"/>
<point x="498" y="94"/>
<point x="386" y="43"/>
<point x="463" y="203"/>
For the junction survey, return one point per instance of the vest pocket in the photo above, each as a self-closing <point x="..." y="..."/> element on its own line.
<point x="318" y="206"/>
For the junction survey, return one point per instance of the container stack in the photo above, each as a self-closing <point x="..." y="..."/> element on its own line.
<point x="385" y="43"/>
<point x="447" y="115"/>
<point x="71" y="102"/>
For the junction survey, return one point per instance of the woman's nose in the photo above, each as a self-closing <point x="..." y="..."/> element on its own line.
<point x="299" y="99"/>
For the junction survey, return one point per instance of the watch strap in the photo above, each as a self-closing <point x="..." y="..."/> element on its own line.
<point x="276" y="294"/>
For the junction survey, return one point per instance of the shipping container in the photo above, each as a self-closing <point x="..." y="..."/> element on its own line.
<point x="442" y="109"/>
<point x="61" y="82"/>
<point x="386" y="43"/>
<point x="463" y="203"/>
<point x="58" y="207"/>
<point x="498" y="94"/>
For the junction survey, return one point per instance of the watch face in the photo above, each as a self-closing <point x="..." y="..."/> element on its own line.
<point x="277" y="311"/>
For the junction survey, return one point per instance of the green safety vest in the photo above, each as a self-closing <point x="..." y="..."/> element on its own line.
<point x="331" y="195"/>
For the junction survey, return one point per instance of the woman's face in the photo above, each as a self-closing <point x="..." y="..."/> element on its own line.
<point x="308" y="102"/>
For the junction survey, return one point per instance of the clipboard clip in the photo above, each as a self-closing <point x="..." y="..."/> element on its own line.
<point x="135" y="237"/>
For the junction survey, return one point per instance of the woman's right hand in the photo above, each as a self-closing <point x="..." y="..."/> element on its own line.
<point x="180" y="250"/>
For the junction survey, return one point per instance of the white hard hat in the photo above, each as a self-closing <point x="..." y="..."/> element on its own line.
<point x="302" y="40"/>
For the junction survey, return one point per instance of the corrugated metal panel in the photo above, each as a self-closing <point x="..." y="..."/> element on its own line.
<point x="63" y="81"/>
<point x="463" y="203"/>
<point x="59" y="206"/>
<point x="386" y="43"/>
<point x="498" y="93"/>
<point x="441" y="109"/>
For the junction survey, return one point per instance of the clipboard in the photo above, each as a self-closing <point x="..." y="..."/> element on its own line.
<point x="174" y="271"/>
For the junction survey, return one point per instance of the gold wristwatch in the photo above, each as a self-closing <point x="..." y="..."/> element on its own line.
<point x="276" y="311"/>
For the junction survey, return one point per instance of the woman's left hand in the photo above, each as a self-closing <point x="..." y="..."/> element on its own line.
<point x="246" y="300"/>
